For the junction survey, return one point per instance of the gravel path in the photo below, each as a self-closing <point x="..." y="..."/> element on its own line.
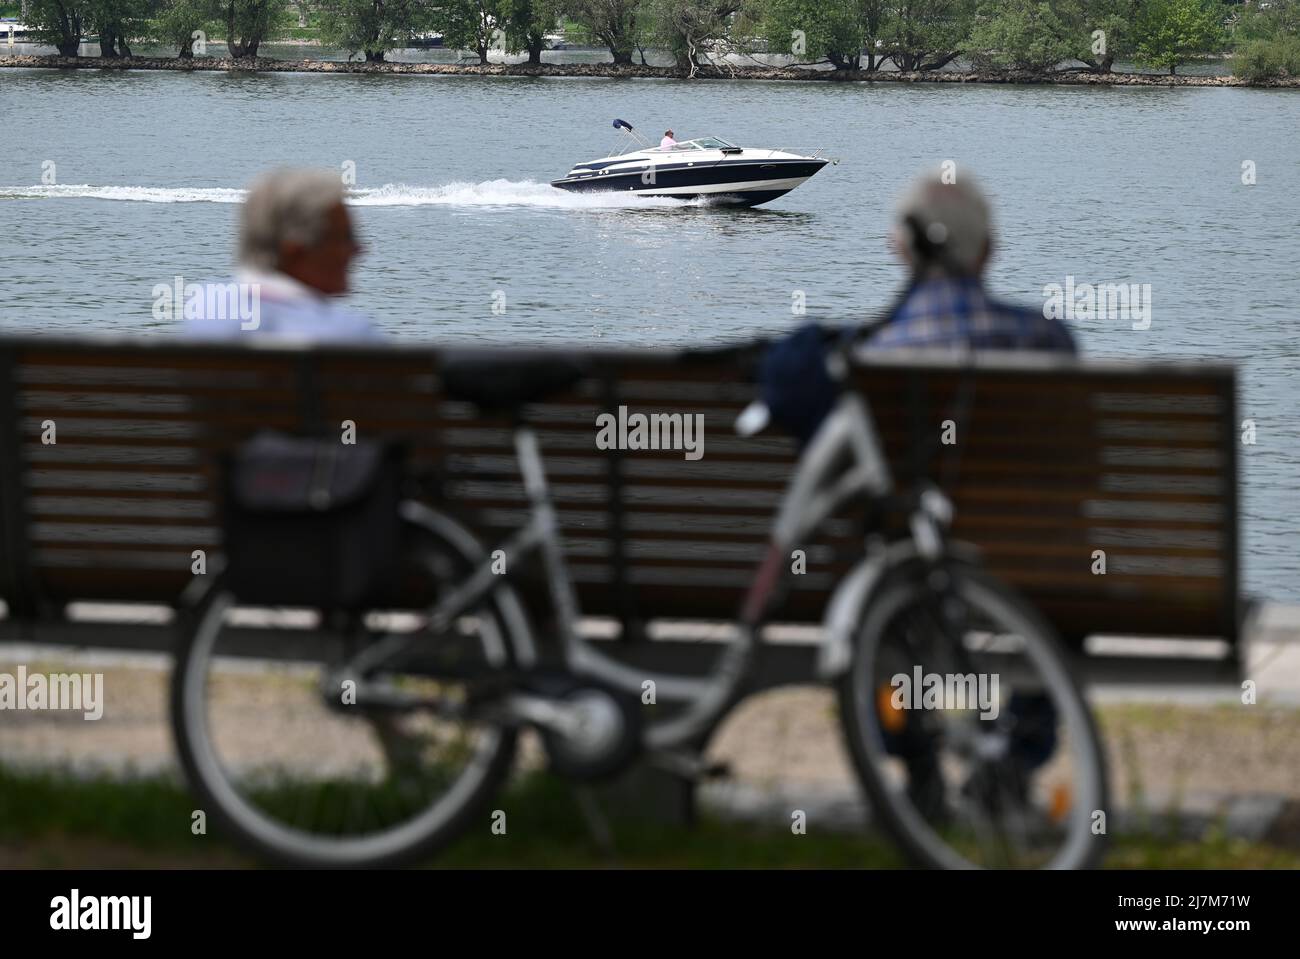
<point x="1160" y="755"/>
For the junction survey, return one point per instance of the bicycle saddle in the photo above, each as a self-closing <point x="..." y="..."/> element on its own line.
<point x="502" y="381"/>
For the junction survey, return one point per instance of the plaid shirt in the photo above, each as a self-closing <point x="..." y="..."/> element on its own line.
<point x="957" y="313"/>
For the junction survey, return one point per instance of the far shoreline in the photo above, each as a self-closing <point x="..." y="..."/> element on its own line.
<point x="1082" y="77"/>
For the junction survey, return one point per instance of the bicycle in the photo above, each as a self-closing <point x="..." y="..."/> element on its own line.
<point x="441" y="695"/>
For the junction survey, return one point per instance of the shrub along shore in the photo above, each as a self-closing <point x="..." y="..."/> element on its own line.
<point x="625" y="71"/>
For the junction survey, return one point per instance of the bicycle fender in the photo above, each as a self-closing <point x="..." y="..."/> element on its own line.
<point x="854" y="592"/>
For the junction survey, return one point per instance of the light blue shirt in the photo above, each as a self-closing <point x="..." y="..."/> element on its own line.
<point x="269" y="305"/>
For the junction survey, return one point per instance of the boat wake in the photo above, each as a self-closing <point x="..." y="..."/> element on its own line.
<point x="503" y="193"/>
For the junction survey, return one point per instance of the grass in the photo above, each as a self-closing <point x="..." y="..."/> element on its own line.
<point x="1166" y="717"/>
<point x="543" y="829"/>
<point x="52" y="819"/>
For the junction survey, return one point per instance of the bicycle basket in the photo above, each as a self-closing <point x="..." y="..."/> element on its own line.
<point x="311" y="522"/>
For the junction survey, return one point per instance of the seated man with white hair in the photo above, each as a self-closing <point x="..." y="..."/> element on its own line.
<point x="944" y="233"/>
<point x="295" y="248"/>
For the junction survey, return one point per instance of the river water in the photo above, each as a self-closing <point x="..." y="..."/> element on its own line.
<point x="1120" y="185"/>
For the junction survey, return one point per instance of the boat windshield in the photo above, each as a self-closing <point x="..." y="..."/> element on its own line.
<point x="702" y="143"/>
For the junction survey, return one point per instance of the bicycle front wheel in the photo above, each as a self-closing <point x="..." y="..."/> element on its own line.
<point x="969" y="734"/>
<point x="305" y="775"/>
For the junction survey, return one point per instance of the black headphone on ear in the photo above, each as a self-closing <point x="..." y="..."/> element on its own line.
<point x="929" y="244"/>
<point x="928" y="241"/>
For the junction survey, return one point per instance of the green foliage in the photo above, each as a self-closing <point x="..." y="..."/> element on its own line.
<point x="526" y="24"/>
<point x="1116" y="19"/>
<point x="1170" y="32"/>
<point x="1267" y="41"/>
<point x="175" y="22"/>
<point x="1040" y="34"/>
<point x="249" y="23"/>
<point x="915" y="34"/>
<point x="1273" y="59"/>
<point x="1026" y="34"/>
<point x="1280" y="19"/>
<point x="1033" y="35"/>
<point x="470" y="25"/>
<point x="372" y="26"/>
<point x="927" y="34"/>
<point x="59" y="23"/>
<point x="685" y="26"/>
<point x="117" y="22"/>
<point x="618" y="24"/>
<point x="833" y="30"/>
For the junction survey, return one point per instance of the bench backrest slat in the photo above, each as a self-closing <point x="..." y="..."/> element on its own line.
<point x="1050" y="463"/>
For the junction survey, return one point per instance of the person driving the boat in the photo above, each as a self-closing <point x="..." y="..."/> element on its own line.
<point x="667" y="143"/>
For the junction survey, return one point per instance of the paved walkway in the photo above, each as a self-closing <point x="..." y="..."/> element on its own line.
<point x="1197" y="751"/>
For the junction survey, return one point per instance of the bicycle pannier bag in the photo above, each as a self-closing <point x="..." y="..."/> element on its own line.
<point x="311" y="522"/>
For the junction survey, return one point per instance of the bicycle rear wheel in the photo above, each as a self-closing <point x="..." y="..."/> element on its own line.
<point x="969" y="733"/>
<point x="301" y="776"/>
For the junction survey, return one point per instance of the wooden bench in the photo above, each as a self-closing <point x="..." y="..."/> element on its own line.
<point x="1057" y="460"/>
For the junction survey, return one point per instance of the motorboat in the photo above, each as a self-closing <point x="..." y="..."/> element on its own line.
<point x="704" y="168"/>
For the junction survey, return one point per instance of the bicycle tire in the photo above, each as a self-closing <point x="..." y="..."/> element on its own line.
<point x="921" y="844"/>
<point x="285" y="846"/>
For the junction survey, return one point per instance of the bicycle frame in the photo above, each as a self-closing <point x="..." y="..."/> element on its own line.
<point x="818" y="488"/>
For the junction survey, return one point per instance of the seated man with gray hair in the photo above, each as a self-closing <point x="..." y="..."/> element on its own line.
<point x="944" y="233"/>
<point x="295" y="247"/>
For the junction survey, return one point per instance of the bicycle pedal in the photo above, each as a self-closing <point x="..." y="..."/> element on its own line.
<point x="717" y="770"/>
<point x="690" y="766"/>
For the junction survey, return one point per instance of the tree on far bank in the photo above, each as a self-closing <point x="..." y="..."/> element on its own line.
<point x="372" y="26"/>
<point x="927" y="34"/>
<point x="837" y="31"/>
<point x="175" y="22"/>
<point x="615" y="23"/>
<point x="1025" y="34"/>
<point x="1280" y="18"/>
<point x="1040" y="34"/>
<point x="1116" y="19"/>
<point x="684" y="27"/>
<point x="117" y="22"/>
<point x="250" y="23"/>
<point x="527" y="22"/>
<point x="470" y="25"/>
<point x="59" y="23"/>
<point x="1170" y="32"/>
<point x="1266" y="42"/>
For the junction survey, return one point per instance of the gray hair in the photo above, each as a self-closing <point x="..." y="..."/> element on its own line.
<point x="285" y="205"/>
<point x="955" y="215"/>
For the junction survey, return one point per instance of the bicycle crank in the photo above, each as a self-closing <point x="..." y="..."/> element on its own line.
<point x="589" y="732"/>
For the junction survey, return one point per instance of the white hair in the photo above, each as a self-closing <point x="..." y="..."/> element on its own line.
<point x="953" y="215"/>
<point x="285" y="205"/>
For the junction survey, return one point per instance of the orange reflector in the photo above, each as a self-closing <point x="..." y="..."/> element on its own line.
<point x="892" y="718"/>
<point x="1060" y="806"/>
